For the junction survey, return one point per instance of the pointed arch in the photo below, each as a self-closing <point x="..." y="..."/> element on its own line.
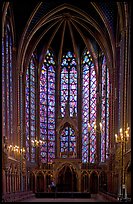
<point x="47" y="108"/>
<point x="7" y="73"/>
<point x="89" y="88"/>
<point x="30" y="108"/>
<point x="69" y="83"/>
<point x="105" y="111"/>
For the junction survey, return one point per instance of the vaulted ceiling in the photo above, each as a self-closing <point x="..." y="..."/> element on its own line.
<point x="64" y="25"/>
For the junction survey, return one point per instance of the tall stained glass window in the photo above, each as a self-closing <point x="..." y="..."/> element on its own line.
<point x="31" y="110"/>
<point x="68" y="140"/>
<point x="7" y="84"/>
<point x="89" y="86"/>
<point x="105" y="112"/>
<point x="47" y="108"/>
<point x="68" y="83"/>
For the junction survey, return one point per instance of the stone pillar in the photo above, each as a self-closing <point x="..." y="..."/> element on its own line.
<point x="15" y="181"/>
<point x="19" y="182"/>
<point x="35" y="183"/>
<point x="44" y="182"/>
<point x="7" y="183"/>
<point x="79" y="182"/>
<point x="89" y="182"/>
<point x="3" y="182"/>
<point x="98" y="182"/>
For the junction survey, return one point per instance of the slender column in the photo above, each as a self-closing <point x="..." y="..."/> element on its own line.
<point x="79" y="183"/>
<point x="10" y="185"/>
<point x="15" y="181"/>
<point x="44" y="182"/>
<point x="89" y="182"/>
<point x="35" y="183"/>
<point x="7" y="183"/>
<point x="3" y="182"/>
<point x="98" y="183"/>
<point x="21" y="133"/>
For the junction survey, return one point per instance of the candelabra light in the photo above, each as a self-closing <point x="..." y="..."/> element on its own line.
<point x="95" y="127"/>
<point x="122" y="137"/>
<point x="37" y="143"/>
<point x="16" y="148"/>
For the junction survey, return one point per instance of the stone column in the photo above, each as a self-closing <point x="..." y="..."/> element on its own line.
<point x="35" y="183"/>
<point x="3" y="182"/>
<point x="7" y="182"/>
<point x="44" y="182"/>
<point x="89" y="182"/>
<point x="79" y="183"/>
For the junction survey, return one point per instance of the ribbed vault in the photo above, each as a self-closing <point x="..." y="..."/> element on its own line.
<point x="66" y="27"/>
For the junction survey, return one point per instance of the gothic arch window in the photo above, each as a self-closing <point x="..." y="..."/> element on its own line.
<point x="89" y="86"/>
<point x="68" y="83"/>
<point x="7" y="82"/>
<point x="31" y="73"/>
<point x="68" y="140"/>
<point x="47" y="108"/>
<point x="105" y="111"/>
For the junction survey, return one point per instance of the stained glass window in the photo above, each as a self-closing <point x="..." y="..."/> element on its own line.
<point x="68" y="83"/>
<point x="105" y="112"/>
<point x="31" y="110"/>
<point x="88" y="109"/>
<point x="7" y="84"/>
<point x="68" y="140"/>
<point x="47" y="108"/>
<point x="3" y="90"/>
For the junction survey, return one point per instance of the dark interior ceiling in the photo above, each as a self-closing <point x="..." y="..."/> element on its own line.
<point x="23" y="9"/>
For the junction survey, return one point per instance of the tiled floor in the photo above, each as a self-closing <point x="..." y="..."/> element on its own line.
<point x="94" y="198"/>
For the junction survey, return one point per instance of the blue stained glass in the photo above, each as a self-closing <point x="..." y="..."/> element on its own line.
<point x="68" y="83"/>
<point x="30" y="109"/>
<point x="105" y="112"/>
<point x="7" y="84"/>
<point x="88" y="109"/>
<point x="68" y="140"/>
<point x="47" y="103"/>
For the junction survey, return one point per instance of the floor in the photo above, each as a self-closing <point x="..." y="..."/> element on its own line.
<point x="94" y="198"/>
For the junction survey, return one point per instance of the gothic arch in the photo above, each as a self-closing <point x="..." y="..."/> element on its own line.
<point x="94" y="182"/>
<point x="67" y="178"/>
<point x="7" y="12"/>
<point x="103" y="181"/>
<point x="66" y="123"/>
<point x="85" y="181"/>
<point x="40" y="181"/>
<point x="24" y="45"/>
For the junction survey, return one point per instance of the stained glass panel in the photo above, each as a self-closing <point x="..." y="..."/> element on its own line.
<point x="69" y="83"/>
<point x="30" y="110"/>
<point x="47" y="109"/>
<point x="105" y="112"/>
<point x="93" y="110"/>
<point x="88" y="109"/>
<point x="68" y="140"/>
<point x="3" y="91"/>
